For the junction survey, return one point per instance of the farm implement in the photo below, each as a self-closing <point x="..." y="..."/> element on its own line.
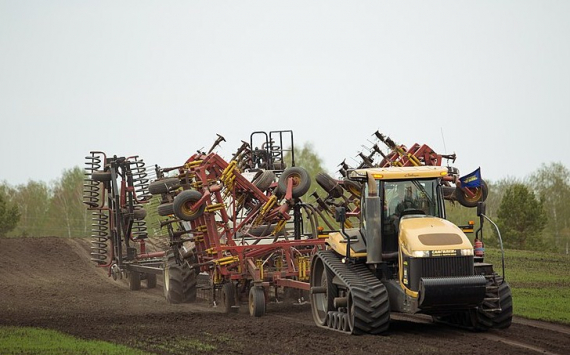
<point x="115" y="191"/>
<point x="242" y="222"/>
<point x="374" y="243"/>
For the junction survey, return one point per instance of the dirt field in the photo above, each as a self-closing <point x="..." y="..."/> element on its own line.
<point x="50" y="283"/>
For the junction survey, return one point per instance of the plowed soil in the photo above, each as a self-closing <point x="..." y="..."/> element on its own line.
<point x="51" y="283"/>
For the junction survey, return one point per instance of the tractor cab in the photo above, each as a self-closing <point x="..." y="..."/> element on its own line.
<point x="403" y="198"/>
<point x="392" y="196"/>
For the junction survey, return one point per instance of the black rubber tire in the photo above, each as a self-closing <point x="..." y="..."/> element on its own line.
<point x="183" y="202"/>
<point x="134" y="280"/>
<point x="265" y="230"/>
<point x="166" y="209"/>
<point x="150" y="280"/>
<point x="329" y="184"/>
<point x="229" y="297"/>
<point x="139" y="214"/>
<point x="352" y="187"/>
<point x="163" y="186"/>
<point x="279" y="165"/>
<point x="180" y="281"/>
<point x="481" y="194"/>
<point x="301" y="181"/>
<point x="448" y="192"/>
<point x="264" y="180"/>
<point x="103" y="176"/>
<point x="256" y="301"/>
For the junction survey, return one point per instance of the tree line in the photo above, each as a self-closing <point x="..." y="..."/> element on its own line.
<point x="43" y="209"/>
<point x="532" y="213"/>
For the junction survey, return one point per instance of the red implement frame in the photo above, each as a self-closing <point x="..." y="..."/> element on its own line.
<point x="226" y="246"/>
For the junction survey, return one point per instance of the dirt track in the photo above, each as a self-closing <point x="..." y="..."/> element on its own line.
<point x="50" y="283"/>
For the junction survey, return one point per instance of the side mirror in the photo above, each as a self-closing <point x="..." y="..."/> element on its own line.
<point x="340" y="214"/>
<point x="481" y="208"/>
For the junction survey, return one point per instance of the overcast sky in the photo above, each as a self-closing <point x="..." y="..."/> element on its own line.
<point x="488" y="80"/>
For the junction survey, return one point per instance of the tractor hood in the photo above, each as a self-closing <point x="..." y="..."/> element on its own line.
<point x="426" y="236"/>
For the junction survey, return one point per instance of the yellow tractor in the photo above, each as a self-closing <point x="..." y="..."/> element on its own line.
<point x="404" y="257"/>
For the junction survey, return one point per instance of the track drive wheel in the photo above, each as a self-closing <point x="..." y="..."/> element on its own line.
<point x="323" y="291"/>
<point x="179" y="281"/>
<point x="256" y="301"/>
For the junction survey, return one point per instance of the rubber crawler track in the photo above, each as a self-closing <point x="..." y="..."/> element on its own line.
<point x="369" y="296"/>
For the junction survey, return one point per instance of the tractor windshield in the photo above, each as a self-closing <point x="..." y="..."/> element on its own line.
<point x="405" y="196"/>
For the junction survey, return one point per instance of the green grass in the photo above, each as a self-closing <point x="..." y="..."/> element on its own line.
<point x="14" y="340"/>
<point x="540" y="283"/>
<point x="30" y="341"/>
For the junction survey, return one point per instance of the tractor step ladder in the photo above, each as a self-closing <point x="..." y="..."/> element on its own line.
<point x="494" y="299"/>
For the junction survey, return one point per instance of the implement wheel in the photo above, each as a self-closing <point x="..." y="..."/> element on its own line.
<point x="329" y="185"/>
<point x="179" y="281"/>
<point x="264" y="180"/>
<point x="229" y="297"/>
<point x="183" y="205"/>
<point x="353" y="187"/>
<point x="256" y="301"/>
<point x="150" y="280"/>
<point x="139" y="214"/>
<point x="479" y="194"/>
<point x="301" y="181"/>
<point x="166" y="209"/>
<point x="134" y="281"/>
<point x="163" y="186"/>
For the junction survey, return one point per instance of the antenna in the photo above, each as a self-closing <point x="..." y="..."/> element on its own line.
<point x="443" y="139"/>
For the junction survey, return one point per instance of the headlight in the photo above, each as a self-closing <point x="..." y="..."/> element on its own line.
<point x="466" y="252"/>
<point x="421" y="254"/>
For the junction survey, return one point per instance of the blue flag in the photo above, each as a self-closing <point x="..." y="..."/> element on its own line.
<point x="471" y="180"/>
